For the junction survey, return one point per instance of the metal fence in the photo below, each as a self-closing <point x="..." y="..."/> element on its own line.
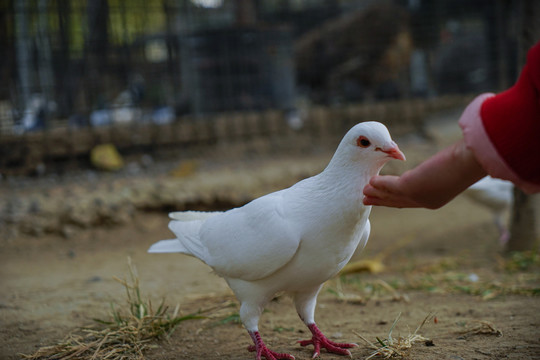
<point x="81" y="64"/>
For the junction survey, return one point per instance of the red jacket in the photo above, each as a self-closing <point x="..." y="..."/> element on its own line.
<point x="503" y="130"/>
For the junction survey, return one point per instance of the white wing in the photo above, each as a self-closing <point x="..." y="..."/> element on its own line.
<point x="250" y="242"/>
<point x="363" y="235"/>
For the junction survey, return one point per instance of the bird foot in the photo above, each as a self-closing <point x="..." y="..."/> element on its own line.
<point x="320" y="341"/>
<point x="261" y="349"/>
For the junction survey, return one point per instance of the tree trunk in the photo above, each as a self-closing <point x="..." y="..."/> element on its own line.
<point x="46" y="73"/>
<point x="245" y="12"/>
<point x="23" y="46"/>
<point x="523" y="228"/>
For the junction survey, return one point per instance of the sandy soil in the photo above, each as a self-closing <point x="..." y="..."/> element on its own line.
<point x="52" y="285"/>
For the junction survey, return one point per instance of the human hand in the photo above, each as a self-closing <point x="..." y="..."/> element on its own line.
<point x="388" y="191"/>
<point x="431" y="184"/>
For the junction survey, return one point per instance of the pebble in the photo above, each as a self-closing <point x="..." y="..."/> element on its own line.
<point x="68" y="231"/>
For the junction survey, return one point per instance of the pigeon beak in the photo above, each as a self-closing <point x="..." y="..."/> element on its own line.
<point x="393" y="152"/>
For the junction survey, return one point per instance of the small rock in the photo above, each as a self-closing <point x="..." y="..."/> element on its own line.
<point x="147" y="160"/>
<point x="34" y="206"/>
<point x="68" y="231"/>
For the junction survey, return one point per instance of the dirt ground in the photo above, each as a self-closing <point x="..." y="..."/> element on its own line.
<point x="446" y="261"/>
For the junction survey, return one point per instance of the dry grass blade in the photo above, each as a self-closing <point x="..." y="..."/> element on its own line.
<point x="347" y="291"/>
<point x="396" y="296"/>
<point x="481" y="327"/>
<point x="394" y="347"/>
<point x="127" y="335"/>
<point x="347" y="297"/>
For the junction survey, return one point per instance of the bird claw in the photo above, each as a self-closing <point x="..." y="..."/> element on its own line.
<point x="261" y="350"/>
<point x="319" y="340"/>
<point x="269" y="354"/>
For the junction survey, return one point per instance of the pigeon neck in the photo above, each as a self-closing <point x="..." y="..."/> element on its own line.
<point x="356" y="173"/>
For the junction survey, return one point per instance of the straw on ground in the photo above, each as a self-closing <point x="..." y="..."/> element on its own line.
<point x="391" y="347"/>
<point x="131" y="331"/>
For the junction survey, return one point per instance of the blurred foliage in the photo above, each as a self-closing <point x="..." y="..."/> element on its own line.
<point x="522" y="261"/>
<point x="516" y="275"/>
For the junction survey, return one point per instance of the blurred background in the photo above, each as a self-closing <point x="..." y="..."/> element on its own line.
<point x="148" y="75"/>
<point x="115" y="112"/>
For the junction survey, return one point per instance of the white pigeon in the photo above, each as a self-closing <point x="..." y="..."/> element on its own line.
<point x="498" y="196"/>
<point x="292" y="240"/>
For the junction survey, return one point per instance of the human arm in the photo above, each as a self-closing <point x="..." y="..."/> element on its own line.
<point x="431" y="184"/>
<point x="500" y="138"/>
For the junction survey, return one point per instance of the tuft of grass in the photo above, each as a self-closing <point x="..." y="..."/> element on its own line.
<point x="233" y="318"/>
<point x="484" y="285"/>
<point x="281" y="329"/>
<point x="395" y="347"/>
<point x="131" y="330"/>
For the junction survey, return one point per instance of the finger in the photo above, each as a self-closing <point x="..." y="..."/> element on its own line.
<point x="372" y="192"/>
<point x="388" y="202"/>
<point x="369" y="190"/>
<point x="387" y="183"/>
<point x="370" y="200"/>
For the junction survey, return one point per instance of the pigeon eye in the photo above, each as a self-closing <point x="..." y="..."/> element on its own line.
<point x="363" y="141"/>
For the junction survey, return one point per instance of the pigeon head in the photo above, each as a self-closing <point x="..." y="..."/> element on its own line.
<point x="366" y="147"/>
<point x="371" y="141"/>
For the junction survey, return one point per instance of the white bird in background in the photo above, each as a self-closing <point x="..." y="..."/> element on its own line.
<point x="498" y="196"/>
<point x="292" y="240"/>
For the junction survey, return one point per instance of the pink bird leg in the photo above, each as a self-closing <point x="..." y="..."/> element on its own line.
<point x="261" y="349"/>
<point x="503" y="230"/>
<point x="319" y="340"/>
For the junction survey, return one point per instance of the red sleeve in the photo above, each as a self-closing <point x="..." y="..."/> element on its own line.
<point x="511" y="120"/>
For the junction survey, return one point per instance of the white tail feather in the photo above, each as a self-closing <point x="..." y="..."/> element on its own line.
<point x="187" y="242"/>
<point x="168" y="246"/>
<point x="188" y="234"/>
<point x="192" y="215"/>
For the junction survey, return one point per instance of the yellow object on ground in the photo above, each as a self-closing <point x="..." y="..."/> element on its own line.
<point x="106" y="157"/>
<point x="186" y="168"/>
<point x="372" y="266"/>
